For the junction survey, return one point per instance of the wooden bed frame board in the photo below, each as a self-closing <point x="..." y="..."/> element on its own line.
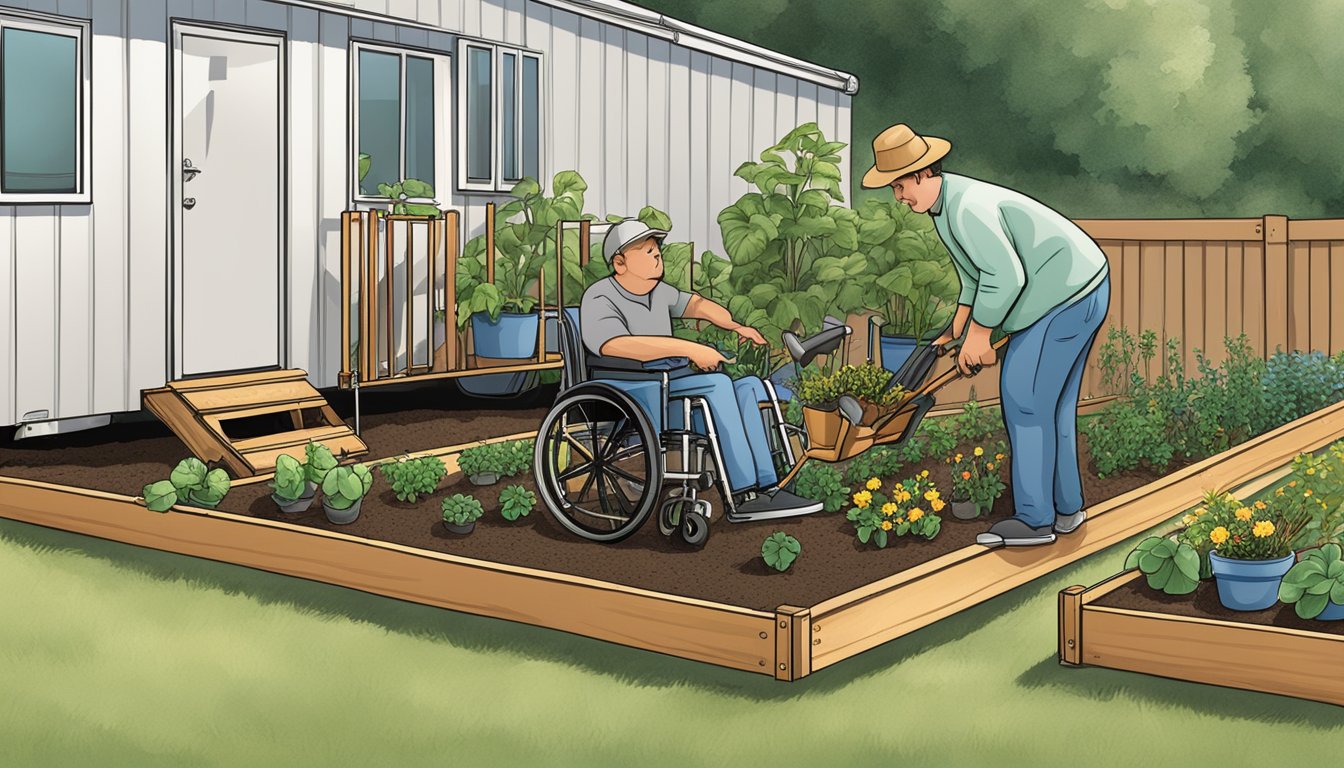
<point x="1255" y="657"/>
<point x="788" y="643"/>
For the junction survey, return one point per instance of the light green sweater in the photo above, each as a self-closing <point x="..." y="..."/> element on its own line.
<point x="1016" y="257"/>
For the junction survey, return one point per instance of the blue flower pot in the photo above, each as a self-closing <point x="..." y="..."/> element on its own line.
<point x="1333" y="612"/>
<point x="895" y="351"/>
<point x="1249" y="585"/>
<point x="511" y="337"/>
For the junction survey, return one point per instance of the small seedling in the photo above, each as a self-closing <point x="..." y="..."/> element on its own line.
<point x="516" y="501"/>
<point x="459" y="509"/>
<point x="780" y="550"/>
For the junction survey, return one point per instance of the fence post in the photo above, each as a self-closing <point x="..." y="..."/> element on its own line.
<point x="1278" y="293"/>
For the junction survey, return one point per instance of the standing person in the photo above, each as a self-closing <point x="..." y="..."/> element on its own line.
<point x="1028" y="270"/>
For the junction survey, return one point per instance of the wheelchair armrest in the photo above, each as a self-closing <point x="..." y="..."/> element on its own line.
<point x="597" y="363"/>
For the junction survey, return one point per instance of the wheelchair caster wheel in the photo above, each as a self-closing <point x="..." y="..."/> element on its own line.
<point x="694" y="529"/>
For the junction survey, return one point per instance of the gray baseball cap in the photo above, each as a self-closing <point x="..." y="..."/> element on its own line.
<point x="625" y="233"/>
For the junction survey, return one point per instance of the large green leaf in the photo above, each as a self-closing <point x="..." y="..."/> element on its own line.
<point x="1310" y="606"/>
<point x="160" y="496"/>
<point x="568" y="183"/>
<point x="1187" y="562"/>
<point x="417" y="188"/>
<point x="808" y="226"/>
<point x="654" y="218"/>
<point x="189" y="473"/>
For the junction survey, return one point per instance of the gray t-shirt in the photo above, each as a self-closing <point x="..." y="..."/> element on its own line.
<point x="608" y="311"/>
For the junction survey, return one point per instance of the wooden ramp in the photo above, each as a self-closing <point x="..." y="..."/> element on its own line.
<point x="218" y="419"/>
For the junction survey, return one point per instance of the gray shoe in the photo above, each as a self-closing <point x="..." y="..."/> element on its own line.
<point x="767" y="505"/>
<point x="1070" y="523"/>
<point x="1015" y="533"/>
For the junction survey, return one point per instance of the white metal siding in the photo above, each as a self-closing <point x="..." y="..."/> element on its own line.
<point x="83" y="288"/>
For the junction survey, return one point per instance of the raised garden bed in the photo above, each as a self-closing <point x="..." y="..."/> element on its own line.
<point x="718" y="605"/>
<point x="1123" y="624"/>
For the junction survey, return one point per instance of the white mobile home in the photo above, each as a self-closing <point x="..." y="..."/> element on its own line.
<point x="173" y="172"/>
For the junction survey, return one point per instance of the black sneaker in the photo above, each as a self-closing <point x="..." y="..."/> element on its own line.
<point x="767" y="505"/>
<point x="1015" y="533"/>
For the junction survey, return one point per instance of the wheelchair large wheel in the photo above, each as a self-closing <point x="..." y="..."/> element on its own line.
<point x="599" y="466"/>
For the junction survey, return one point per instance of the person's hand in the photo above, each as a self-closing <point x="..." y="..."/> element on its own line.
<point x="707" y="358"/>
<point x="976" y="353"/>
<point x="942" y="341"/>
<point x="750" y="334"/>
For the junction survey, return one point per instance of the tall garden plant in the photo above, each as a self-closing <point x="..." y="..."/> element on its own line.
<point x="907" y="262"/>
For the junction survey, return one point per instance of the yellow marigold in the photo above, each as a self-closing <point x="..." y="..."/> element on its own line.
<point x="1189" y="519"/>
<point x="886" y="525"/>
<point x="1279" y="492"/>
<point x="1218" y="535"/>
<point x="1311" y="471"/>
<point x="925" y="473"/>
<point x="1263" y="528"/>
<point x="862" y="499"/>
<point x="873" y="483"/>
<point x="1262" y="506"/>
<point x="958" y="457"/>
<point x="902" y="496"/>
<point x="889" y="509"/>
<point x="1201" y="511"/>
<point x="931" y="495"/>
<point x="999" y="456"/>
<point x="938" y="505"/>
<point x="900" y="521"/>
<point x="979" y="451"/>
<point x="915" y="514"/>
<point x="1243" y="514"/>
<point x="1292" y="483"/>
<point x="1306" y="493"/>
<point x="989" y="465"/>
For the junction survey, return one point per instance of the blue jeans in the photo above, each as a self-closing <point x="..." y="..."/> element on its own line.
<point x="1042" y="374"/>
<point x="735" y="406"/>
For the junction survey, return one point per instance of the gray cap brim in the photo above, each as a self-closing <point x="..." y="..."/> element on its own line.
<point x="625" y="233"/>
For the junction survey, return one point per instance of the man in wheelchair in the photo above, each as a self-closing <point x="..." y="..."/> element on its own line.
<point x="629" y="316"/>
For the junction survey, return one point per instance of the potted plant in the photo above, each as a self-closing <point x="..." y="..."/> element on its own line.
<point x="460" y="513"/>
<point x="292" y="491"/>
<point x="1249" y="546"/>
<point x="318" y="461"/>
<point x="413" y="478"/>
<point x="977" y="481"/>
<point x="1315" y="586"/>
<point x="820" y="392"/>
<point x="482" y="464"/>
<point x="780" y="550"/>
<point x="911" y="508"/>
<point x="343" y="491"/>
<point x="515" y="501"/>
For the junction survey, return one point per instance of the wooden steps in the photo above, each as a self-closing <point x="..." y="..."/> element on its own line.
<point x="203" y="412"/>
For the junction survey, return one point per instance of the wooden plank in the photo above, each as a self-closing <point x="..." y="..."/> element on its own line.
<point x="1316" y="229"/>
<point x="453" y="374"/>
<point x="695" y="629"/>
<point x="1193" y="304"/>
<point x="869" y="616"/>
<point x="1070" y="625"/>
<point x="1171" y="229"/>
<point x="1299" y="296"/>
<point x="1235" y="319"/>
<point x="1253" y="286"/>
<point x="348" y="240"/>
<point x="793" y="629"/>
<point x="237" y="380"/>
<point x="203" y="444"/>
<point x="1318" y="315"/>
<point x="1337" y="296"/>
<point x="219" y="400"/>
<point x="1247" y="656"/>
<point x="1215" y="299"/>
<point x="286" y="439"/>
<point x="1275" y="245"/>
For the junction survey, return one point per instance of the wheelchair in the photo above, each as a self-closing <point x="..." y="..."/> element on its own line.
<point x="602" y="466"/>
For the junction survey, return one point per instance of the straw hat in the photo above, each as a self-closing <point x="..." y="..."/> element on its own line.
<point x="898" y="151"/>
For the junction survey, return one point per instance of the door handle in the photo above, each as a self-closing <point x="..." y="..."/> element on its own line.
<point x="188" y="203"/>
<point x="189" y="171"/>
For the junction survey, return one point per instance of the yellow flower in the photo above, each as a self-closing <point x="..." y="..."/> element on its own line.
<point x="979" y="451"/>
<point x="925" y="473"/>
<point x="900" y="521"/>
<point x="1306" y="493"/>
<point x="930" y="495"/>
<point x="958" y="457"/>
<point x="1292" y="483"/>
<point x="1311" y="471"/>
<point x="999" y="456"/>
<point x="1243" y="514"/>
<point x="874" y="484"/>
<point x="886" y="525"/>
<point x="915" y="514"/>
<point x="902" y="496"/>
<point x="1218" y="535"/>
<point x="1263" y="528"/>
<point x="1262" y="506"/>
<point x="989" y="466"/>
<point x="1189" y="519"/>
<point x="1279" y="492"/>
<point x="937" y="505"/>
<point x="862" y="499"/>
<point x="889" y="509"/>
<point x="1201" y="511"/>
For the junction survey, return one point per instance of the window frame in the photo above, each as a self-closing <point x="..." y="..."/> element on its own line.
<point x="81" y="31"/>
<point x="497" y="182"/>
<point x="443" y="79"/>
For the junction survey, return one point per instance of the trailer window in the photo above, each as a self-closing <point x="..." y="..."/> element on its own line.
<point x="43" y="108"/>
<point x="500" y="103"/>
<point x="399" y="97"/>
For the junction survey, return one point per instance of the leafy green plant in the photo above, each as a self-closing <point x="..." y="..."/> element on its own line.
<point x="197" y="485"/>
<point x="978" y="478"/>
<point x="1315" y="582"/>
<point x="515" y="457"/>
<point x="907" y="262"/>
<point x="479" y="460"/>
<point x="976" y="423"/>
<point x="1170" y="566"/>
<point x="291" y="478"/>
<point x="159" y="496"/>
<point x="515" y="501"/>
<point x="524" y="246"/>
<point x="879" y="461"/>
<point x="867" y="383"/>
<point x="405" y="190"/>
<point x="1323" y="475"/>
<point x="937" y="438"/>
<point x="344" y="486"/>
<point x="318" y="462"/>
<point x="459" y="509"/>
<point x="822" y="482"/>
<point x="911" y="509"/>
<point x="779" y="550"/>
<point x="413" y="478"/>
<point x="794" y="254"/>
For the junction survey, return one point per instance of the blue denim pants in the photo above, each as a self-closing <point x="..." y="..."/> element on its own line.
<point x="1042" y="374"/>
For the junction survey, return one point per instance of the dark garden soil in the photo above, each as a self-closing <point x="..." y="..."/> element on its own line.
<point x="1203" y="604"/>
<point x="127" y="456"/>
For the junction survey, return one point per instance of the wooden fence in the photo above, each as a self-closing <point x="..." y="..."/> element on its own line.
<point x="1279" y="281"/>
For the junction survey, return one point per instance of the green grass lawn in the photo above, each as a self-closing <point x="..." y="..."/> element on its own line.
<point x="115" y="655"/>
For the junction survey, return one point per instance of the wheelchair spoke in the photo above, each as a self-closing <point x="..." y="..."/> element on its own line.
<point x="583" y="492"/>
<point x="615" y="470"/>
<point x="618" y="434"/>
<point x="573" y="472"/>
<point x="577" y="445"/>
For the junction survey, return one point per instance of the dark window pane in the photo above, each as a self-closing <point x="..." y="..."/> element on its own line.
<point x="41" y="93"/>
<point x="531" y="118"/>
<point x="508" y="118"/>
<point x="420" y="119"/>
<point x="478" y="115"/>
<point x="379" y="129"/>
